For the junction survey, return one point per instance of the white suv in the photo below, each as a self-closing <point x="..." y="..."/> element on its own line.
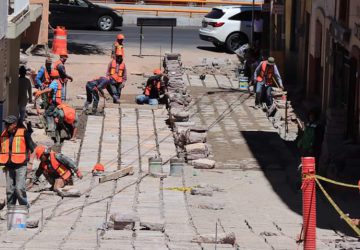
<point x="228" y="25"/>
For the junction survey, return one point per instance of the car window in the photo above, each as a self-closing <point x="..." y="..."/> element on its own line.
<point x="243" y="16"/>
<point x="215" y="14"/>
<point x="81" y="3"/>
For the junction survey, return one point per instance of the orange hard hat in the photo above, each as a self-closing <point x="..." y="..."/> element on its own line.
<point x="120" y="37"/>
<point x="54" y="73"/>
<point x="157" y="71"/>
<point x="98" y="167"/>
<point x="39" y="150"/>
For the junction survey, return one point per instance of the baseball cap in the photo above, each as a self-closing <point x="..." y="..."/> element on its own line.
<point x="10" y="119"/>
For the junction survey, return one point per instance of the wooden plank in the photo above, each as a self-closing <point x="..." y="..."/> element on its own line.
<point x="117" y="174"/>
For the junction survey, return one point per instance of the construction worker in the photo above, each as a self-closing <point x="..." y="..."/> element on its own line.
<point x="117" y="73"/>
<point x="153" y="89"/>
<point x="65" y="118"/>
<point x="93" y="89"/>
<point x="265" y="76"/>
<point x="59" y="65"/>
<point x="16" y="146"/>
<point x="118" y="46"/>
<point x="42" y="79"/>
<point x="57" y="168"/>
<point x="53" y="91"/>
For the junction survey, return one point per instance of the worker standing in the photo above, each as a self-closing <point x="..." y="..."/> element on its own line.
<point x="118" y="46"/>
<point x="16" y="146"/>
<point x="25" y="93"/>
<point x="53" y="92"/>
<point x="264" y="76"/>
<point x="42" y="79"/>
<point x="57" y="168"/>
<point x="93" y="89"/>
<point x="118" y="76"/>
<point x="153" y="89"/>
<point x="65" y="117"/>
<point x="59" y="65"/>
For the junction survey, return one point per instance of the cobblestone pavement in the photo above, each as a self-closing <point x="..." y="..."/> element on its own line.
<point x="253" y="189"/>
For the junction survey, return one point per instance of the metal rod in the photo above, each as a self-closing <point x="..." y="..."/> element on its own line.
<point x="42" y="219"/>
<point x="216" y="235"/>
<point x="172" y="38"/>
<point x="141" y="38"/>
<point x="160" y="57"/>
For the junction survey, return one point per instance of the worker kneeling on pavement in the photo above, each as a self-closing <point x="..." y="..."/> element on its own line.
<point x="66" y="119"/>
<point x="266" y="77"/>
<point x="154" y="88"/>
<point x="54" y="93"/>
<point x="57" y="168"/>
<point x="118" y="76"/>
<point x="93" y="89"/>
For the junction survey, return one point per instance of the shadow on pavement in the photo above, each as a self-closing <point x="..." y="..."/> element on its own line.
<point x="212" y="49"/>
<point x="273" y="157"/>
<point x="84" y="49"/>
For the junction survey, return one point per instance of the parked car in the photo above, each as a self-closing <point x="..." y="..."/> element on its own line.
<point x="82" y="13"/>
<point x="228" y="26"/>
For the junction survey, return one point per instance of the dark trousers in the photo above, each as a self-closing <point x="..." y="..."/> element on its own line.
<point x="49" y="117"/>
<point x="16" y="185"/>
<point x="92" y="96"/>
<point x="261" y="91"/>
<point x="115" y="90"/>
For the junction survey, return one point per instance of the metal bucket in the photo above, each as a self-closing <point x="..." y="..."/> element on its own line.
<point x="155" y="165"/>
<point x="176" y="167"/>
<point x="16" y="217"/>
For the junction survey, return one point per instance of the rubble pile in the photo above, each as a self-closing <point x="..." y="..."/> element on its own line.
<point x="190" y="140"/>
<point x="214" y="66"/>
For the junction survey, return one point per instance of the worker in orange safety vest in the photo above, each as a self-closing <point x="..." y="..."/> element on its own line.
<point x="118" y="46"/>
<point x="153" y="89"/>
<point x="57" y="168"/>
<point x="54" y="99"/>
<point x="65" y="119"/>
<point x="265" y="76"/>
<point x="118" y="76"/>
<point x="16" y="146"/>
<point x="59" y="66"/>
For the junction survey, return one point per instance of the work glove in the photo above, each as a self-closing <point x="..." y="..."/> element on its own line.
<point x="79" y="174"/>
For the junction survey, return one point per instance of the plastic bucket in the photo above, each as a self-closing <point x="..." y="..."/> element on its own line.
<point x="16" y="217"/>
<point x="155" y="165"/>
<point x="176" y="167"/>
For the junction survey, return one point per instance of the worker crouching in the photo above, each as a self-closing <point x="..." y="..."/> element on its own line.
<point x="154" y="88"/>
<point x="57" y="168"/>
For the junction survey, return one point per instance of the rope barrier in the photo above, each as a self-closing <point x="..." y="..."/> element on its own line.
<point x="338" y="183"/>
<point x="340" y="212"/>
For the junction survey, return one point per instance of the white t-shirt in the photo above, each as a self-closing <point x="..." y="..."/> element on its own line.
<point x="258" y="25"/>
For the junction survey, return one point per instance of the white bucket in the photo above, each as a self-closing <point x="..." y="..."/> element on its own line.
<point x="16" y="217"/>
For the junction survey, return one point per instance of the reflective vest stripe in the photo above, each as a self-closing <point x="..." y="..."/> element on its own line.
<point x="59" y="168"/>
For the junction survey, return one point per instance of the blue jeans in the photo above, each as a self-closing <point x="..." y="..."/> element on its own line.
<point x="16" y="184"/>
<point x="260" y="92"/>
<point x="142" y="99"/>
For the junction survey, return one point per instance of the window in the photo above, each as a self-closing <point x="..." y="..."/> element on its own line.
<point x="215" y="14"/>
<point x="81" y="3"/>
<point x="244" y="16"/>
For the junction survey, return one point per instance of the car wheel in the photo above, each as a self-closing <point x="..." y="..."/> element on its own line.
<point x="234" y="41"/>
<point x="105" y="23"/>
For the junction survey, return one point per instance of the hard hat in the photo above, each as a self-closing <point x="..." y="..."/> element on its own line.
<point x="39" y="150"/>
<point x="271" y="60"/>
<point x="157" y="71"/>
<point x="54" y="73"/>
<point x="120" y="37"/>
<point x="98" y="167"/>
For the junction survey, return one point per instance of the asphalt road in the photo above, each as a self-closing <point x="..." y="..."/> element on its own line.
<point x="154" y="37"/>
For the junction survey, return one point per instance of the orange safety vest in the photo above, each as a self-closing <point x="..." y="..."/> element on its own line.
<point x="269" y="76"/>
<point x="58" y="100"/>
<point x="47" y="80"/>
<point x="119" y="49"/>
<point x="117" y="75"/>
<point x="69" y="113"/>
<point x="148" y="88"/>
<point x="56" y="64"/>
<point x="63" y="171"/>
<point x="18" y="148"/>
